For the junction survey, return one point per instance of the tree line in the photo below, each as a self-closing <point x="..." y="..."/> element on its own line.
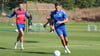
<point x="71" y="4"/>
<point x="66" y="4"/>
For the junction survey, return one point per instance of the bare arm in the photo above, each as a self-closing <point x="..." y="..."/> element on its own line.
<point x="11" y="15"/>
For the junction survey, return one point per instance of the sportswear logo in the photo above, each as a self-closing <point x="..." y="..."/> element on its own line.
<point x="20" y="15"/>
<point x="60" y="15"/>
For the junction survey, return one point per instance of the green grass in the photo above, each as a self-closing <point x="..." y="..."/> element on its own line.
<point x="81" y="42"/>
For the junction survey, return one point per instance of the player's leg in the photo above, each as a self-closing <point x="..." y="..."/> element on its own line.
<point x="20" y="35"/>
<point x="21" y="38"/>
<point x="60" y="34"/>
<point x="18" y="39"/>
<point x="30" y="25"/>
<point x="64" y="44"/>
<point x="66" y="47"/>
<point x="66" y="41"/>
<point x="62" y="39"/>
<point x="51" y="27"/>
<point x="45" y="24"/>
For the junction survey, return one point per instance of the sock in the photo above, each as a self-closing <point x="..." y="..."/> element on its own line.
<point x="16" y="43"/>
<point x="66" y="46"/>
<point x="67" y="49"/>
<point x="21" y="44"/>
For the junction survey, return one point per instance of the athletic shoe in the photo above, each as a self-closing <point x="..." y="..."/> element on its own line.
<point x="65" y="51"/>
<point x="51" y="31"/>
<point x="21" y="47"/>
<point x="15" y="47"/>
<point x="68" y="50"/>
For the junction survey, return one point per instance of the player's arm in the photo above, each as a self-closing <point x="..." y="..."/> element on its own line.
<point x="50" y="16"/>
<point x="60" y="22"/>
<point x="27" y="14"/>
<point x="46" y="22"/>
<point x="65" y="19"/>
<point x="11" y="15"/>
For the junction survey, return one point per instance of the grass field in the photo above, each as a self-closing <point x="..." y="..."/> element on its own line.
<point x="81" y="42"/>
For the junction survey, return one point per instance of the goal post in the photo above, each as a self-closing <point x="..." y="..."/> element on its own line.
<point x="92" y="25"/>
<point x="27" y="19"/>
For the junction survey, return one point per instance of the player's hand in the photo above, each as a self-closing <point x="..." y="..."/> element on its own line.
<point x="28" y="13"/>
<point x="44" y="26"/>
<point x="48" y="17"/>
<point x="58" y="22"/>
<point x="4" y="14"/>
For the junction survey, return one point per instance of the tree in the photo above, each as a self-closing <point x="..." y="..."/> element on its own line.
<point x="85" y="3"/>
<point x="97" y="3"/>
<point x="68" y="4"/>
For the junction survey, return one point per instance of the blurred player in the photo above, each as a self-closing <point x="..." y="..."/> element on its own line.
<point x="60" y="18"/>
<point x="30" y="21"/>
<point x="20" y="23"/>
<point x="50" y="22"/>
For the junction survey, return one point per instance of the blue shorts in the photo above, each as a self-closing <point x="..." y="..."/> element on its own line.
<point x="62" y="31"/>
<point x="19" y="26"/>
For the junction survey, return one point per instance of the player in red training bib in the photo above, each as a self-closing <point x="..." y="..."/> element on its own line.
<point x="21" y="14"/>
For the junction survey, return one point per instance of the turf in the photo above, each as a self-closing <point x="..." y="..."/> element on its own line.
<point x="81" y="42"/>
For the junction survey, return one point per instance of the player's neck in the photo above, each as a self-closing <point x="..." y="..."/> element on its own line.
<point x="57" y="10"/>
<point x="20" y="9"/>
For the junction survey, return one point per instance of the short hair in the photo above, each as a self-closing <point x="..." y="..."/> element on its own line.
<point x="20" y="3"/>
<point x="57" y="4"/>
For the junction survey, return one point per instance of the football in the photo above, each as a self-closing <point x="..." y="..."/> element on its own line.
<point x="16" y="30"/>
<point x="57" y="53"/>
<point x="12" y="24"/>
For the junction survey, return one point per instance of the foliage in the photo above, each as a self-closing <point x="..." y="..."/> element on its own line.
<point x="84" y="3"/>
<point x="67" y="4"/>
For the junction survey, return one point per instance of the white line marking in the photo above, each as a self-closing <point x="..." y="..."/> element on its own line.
<point x="84" y="45"/>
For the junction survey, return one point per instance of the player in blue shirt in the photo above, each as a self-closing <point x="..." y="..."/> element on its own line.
<point x="60" y="18"/>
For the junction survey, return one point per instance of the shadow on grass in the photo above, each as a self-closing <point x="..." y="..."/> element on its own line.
<point x="31" y="41"/>
<point x="6" y="30"/>
<point x="3" y="48"/>
<point x="37" y="52"/>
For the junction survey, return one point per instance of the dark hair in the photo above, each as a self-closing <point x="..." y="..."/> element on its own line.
<point x="57" y="4"/>
<point x="20" y="3"/>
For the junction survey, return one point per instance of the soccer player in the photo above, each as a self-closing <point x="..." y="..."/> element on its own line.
<point x="30" y="21"/>
<point x="20" y="23"/>
<point x="50" y="22"/>
<point x="60" y="18"/>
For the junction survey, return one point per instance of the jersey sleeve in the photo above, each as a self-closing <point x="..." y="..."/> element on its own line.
<point x="11" y="15"/>
<point x="26" y="14"/>
<point x="51" y="14"/>
<point x="65" y="15"/>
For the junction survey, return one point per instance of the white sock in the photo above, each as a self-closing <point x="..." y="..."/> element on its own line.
<point x="66" y="46"/>
<point x="21" y="44"/>
<point x="67" y="49"/>
<point x="16" y="43"/>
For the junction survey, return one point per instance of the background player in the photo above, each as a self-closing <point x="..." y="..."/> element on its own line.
<point x="50" y="22"/>
<point x="20" y="22"/>
<point x="60" y="18"/>
<point x="30" y="21"/>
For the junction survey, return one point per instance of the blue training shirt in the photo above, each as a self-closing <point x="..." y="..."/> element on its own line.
<point x="58" y="16"/>
<point x="15" y="12"/>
